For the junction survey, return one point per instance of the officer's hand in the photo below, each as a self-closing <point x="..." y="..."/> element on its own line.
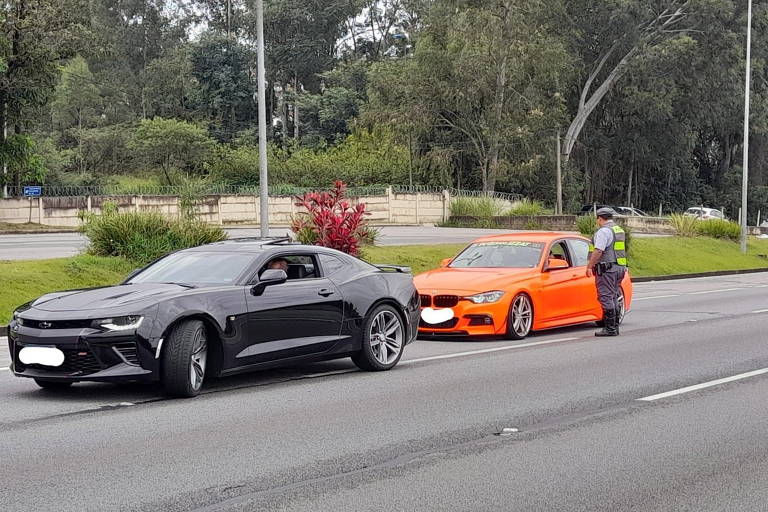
<point x="589" y="272"/>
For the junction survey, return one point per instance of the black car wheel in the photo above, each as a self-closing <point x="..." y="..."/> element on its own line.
<point x="520" y="318"/>
<point x="383" y="340"/>
<point x="185" y="355"/>
<point x="52" y="384"/>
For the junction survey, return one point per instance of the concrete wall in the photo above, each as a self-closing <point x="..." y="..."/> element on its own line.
<point x="391" y="208"/>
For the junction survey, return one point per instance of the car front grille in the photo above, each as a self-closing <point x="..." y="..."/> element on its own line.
<point x="449" y="324"/>
<point x="445" y="301"/>
<point x="56" y="324"/>
<point x="77" y="362"/>
<point x="426" y="301"/>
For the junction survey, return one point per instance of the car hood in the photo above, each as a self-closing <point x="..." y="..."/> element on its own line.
<point x="111" y="297"/>
<point x="470" y="280"/>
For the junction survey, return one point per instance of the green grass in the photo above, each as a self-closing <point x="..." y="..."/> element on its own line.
<point x="22" y="281"/>
<point x="670" y="256"/>
<point x="7" y="227"/>
<point x="419" y="257"/>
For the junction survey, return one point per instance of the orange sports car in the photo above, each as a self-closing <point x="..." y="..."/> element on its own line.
<point x="511" y="285"/>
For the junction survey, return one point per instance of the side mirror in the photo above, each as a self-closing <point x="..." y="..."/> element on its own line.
<point x="557" y="264"/>
<point x="446" y="262"/>
<point x="270" y="277"/>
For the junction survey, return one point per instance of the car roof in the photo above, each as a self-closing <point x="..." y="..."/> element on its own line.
<point x="257" y="245"/>
<point x="529" y="236"/>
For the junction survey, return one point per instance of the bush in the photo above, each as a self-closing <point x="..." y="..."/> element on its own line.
<point x="145" y="236"/>
<point x="480" y="207"/>
<point x="716" y="228"/>
<point x="332" y="221"/>
<point x="587" y="225"/>
<point x="684" y="225"/>
<point x="528" y="208"/>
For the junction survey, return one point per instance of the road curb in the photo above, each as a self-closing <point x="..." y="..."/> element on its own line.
<point x="675" y="277"/>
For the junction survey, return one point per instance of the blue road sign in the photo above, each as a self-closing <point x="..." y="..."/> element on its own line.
<point x="33" y="191"/>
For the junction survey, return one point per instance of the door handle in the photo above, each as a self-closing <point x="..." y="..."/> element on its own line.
<point x="325" y="292"/>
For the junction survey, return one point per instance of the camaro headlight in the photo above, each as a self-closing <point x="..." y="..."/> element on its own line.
<point x="118" y="323"/>
<point x="487" y="297"/>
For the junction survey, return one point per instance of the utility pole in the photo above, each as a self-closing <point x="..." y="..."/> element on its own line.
<point x="229" y="20"/>
<point x="5" y="138"/>
<point x="559" y="206"/>
<point x="263" y="172"/>
<point x="745" y="169"/>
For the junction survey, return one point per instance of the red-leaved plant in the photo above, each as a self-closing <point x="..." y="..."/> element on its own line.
<point x="330" y="220"/>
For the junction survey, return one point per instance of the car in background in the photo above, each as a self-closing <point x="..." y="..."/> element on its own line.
<point x="217" y="310"/>
<point x="702" y="213"/>
<point x="621" y="211"/>
<point x="509" y="285"/>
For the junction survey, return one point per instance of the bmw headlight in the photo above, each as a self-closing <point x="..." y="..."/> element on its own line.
<point x="118" y="323"/>
<point x="487" y="297"/>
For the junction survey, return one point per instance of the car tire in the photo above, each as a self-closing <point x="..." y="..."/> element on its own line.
<point x="520" y="318"/>
<point x="52" y="384"/>
<point x="622" y="311"/>
<point x="184" y="359"/>
<point x="383" y="340"/>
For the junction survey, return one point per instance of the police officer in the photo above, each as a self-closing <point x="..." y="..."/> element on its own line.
<point x="608" y="262"/>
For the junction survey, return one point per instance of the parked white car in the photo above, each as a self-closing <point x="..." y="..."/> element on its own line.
<point x="704" y="213"/>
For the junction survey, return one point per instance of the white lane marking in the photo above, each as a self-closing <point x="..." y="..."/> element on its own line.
<point x="485" y="351"/>
<point x="758" y="311"/>
<point x="717" y="291"/>
<point x="6" y="369"/>
<point x="703" y="385"/>
<point x="656" y="297"/>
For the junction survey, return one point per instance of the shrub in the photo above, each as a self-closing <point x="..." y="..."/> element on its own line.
<point x="332" y="221"/>
<point x="144" y="236"/>
<point x="528" y="208"/>
<point x="480" y="207"/>
<point x="587" y="225"/>
<point x="716" y="228"/>
<point x="685" y="225"/>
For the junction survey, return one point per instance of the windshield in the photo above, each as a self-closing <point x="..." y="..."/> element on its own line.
<point x="499" y="255"/>
<point x="198" y="268"/>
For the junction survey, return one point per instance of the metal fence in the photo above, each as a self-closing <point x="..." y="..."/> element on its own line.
<point x="246" y="190"/>
<point x="206" y="190"/>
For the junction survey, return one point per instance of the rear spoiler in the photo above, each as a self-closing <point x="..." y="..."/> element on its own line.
<point x="394" y="268"/>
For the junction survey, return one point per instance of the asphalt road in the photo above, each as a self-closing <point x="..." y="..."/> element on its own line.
<point x="592" y="431"/>
<point x="63" y="245"/>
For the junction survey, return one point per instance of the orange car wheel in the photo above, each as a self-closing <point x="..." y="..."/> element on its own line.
<point x="520" y="319"/>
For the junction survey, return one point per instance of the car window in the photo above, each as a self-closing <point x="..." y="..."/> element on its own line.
<point x="717" y="213"/>
<point x="579" y="250"/>
<point x="297" y="266"/>
<point x="199" y="268"/>
<point x="558" y="252"/>
<point x="512" y="254"/>
<point x="331" y="264"/>
<point x="693" y="211"/>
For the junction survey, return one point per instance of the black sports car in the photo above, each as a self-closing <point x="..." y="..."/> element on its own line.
<point x="217" y="310"/>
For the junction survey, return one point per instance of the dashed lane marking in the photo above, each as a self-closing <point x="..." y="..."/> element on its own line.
<point x="485" y="351"/>
<point x="703" y="385"/>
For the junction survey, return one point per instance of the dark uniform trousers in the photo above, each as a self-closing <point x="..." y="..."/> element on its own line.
<point x="608" y="287"/>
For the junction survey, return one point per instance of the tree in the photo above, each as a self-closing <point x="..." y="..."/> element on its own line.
<point x="484" y="78"/>
<point x="36" y="36"/>
<point x="77" y="103"/>
<point x="172" y="146"/>
<point x="222" y="68"/>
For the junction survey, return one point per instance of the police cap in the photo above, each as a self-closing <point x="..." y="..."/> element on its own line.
<point x="606" y="213"/>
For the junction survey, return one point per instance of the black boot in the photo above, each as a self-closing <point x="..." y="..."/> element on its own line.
<point x="609" y="324"/>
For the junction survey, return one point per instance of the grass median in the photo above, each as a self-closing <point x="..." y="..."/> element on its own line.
<point x="21" y="281"/>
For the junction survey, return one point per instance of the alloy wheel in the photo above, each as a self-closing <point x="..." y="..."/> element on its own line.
<point x="198" y="359"/>
<point x="386" y="337"/>
<point x="522" y="316"/>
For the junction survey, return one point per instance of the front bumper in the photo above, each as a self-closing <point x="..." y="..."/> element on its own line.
<point x="89" y="355"/>
<point x="470" y="320"/>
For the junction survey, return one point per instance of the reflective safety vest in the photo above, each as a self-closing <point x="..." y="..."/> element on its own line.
<point x="619" y="246"/>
